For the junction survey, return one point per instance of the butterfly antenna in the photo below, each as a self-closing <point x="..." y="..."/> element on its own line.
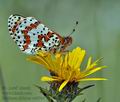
<point x="74" y="28"/>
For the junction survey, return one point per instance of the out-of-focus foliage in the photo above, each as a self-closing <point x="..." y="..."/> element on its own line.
<point x="98" y="32"/>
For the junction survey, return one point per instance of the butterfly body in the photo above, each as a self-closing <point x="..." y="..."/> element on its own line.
<point x="32" y="36"/>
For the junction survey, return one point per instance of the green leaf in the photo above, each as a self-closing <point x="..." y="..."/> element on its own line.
<point x="46" y="93"/>
<point x="79" y="92"/>
<point x="84" y="88"/>
<point x="99" y="99"/>
<point x="84" y="100"/>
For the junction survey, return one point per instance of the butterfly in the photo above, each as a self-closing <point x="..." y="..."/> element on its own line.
<point x="32" y="36"/>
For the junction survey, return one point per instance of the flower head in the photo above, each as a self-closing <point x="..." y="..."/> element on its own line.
<point x="66" y="68"/>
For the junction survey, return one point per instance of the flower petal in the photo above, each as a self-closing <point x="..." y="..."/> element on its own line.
<point x="92" y="79"/>
<point x="93" y="64"/>
<point x="38" y="60"/>
<point x="42" y="53"/>
<point x="86" y="73"/>
<point x="89" y="63"/>
<point x="63" y="85"/>
<point x="46" y="78"/>
<point x="76" y="58"/>
<point x="80" y="58"/>
<point x="67" y="66"/>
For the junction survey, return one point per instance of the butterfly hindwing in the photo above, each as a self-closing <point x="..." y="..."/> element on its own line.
<point x="31" y="35"/>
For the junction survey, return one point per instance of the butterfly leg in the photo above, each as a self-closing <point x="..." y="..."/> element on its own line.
<point x="53" y="50"/>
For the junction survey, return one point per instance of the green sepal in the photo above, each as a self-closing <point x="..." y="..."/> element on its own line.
<point x="84" y="88"/>
<point x="80" y="90"/>
<point x="46" y="93"/>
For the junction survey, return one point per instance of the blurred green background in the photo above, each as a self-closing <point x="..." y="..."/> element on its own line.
<point x="98" y="32"/>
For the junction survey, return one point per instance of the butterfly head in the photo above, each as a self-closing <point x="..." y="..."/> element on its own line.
<point x="67" y="42"/>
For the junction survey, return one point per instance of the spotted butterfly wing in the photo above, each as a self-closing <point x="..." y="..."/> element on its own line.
<point x="32" y="36"/>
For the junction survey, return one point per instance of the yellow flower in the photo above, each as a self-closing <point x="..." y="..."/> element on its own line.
<point x="67" y="67"/>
